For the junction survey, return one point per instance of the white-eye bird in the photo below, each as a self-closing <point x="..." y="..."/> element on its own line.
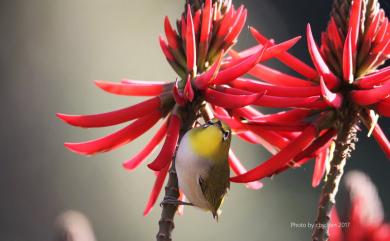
<point x="202" y="165"/>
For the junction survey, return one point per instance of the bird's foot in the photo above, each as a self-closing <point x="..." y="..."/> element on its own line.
<point x="174" y="201"/>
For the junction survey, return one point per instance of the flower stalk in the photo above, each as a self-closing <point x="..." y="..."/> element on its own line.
<point x="345" y="144"/>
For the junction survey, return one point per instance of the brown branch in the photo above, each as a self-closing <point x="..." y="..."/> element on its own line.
<point x="345" y="144"/>
<point x="166" y="223"/>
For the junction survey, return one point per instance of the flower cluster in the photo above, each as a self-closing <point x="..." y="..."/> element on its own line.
<point x="345" y="86"/>
<point x="195" y="50"/>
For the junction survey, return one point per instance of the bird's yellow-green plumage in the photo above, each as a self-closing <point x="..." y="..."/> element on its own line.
<point x="202" y="165"/>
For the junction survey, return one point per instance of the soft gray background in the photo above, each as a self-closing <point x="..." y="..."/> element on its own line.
<point x="52" y="50"/>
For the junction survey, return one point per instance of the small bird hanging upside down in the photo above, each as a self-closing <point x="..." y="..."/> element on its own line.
<point x="202" y="165"/>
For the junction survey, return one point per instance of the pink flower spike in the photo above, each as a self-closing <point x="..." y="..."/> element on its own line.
<point x="372" y="96"/>
<point x="330" y="79"/>
<point x="171" y="34"/>
<point x="206" y="21"/>
<point x="279" y="160"/>
<point x="319" y="168"/>
<point x="158" y="184"/>
<point x="238" y="169"/>
<point x="288" y="59"/>
<point x="135" y="161"/>
<point x="377" y="78"/>
<point x="165" y="156"/>
<point x="275" y="90"/>
<point x="203" y="80"/>
<point x="233" y="72"/>
<point x="113" y="117"/>
<point x="354" y="24"/>
<point x="333" y="99"/>
<point x="190" y="43"/>
<point x="188" y="91"/>
<point x="382" y="140"/>
<point x="383" y="107"/>
<point x="230" y="101"/>
<point x="133" y="89"/>
<point x="179" y="98"/>
<point x="118" y="138"/>
<point x="348" y="59"/>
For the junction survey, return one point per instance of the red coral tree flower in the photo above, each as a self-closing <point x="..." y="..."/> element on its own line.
<point x="195" y="50"/>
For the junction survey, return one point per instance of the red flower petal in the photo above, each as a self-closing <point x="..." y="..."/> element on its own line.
<point x="118" y="138"/>
<point x="383" y="107"/>
<point x="133" y="88"/>
<point x="230" y="101"/>
<point x="288" y="59"/>
<point x="242" y="67"/>
<point x="276" y="162"/>
<point x="202" y="81"/>
<point x="319" y="168"/>
<point x="165" y="49"/>
<point x="348" y="59"/>
<point x="278" y="49"/>
<point x="377" y="78"/>
<point x="190" y="43"/>
<point x="372" y="96"/>
<point x="335" y="232"/>
<point x="318" y="145"/>
<point x="113" y="117"/>
<point x="171" y="34"/>
<point x="206" y="21"/>
<point x="382" y="140"/>
<point x="277" y="126"/>
<point x="289" y="102"/>
<point x="237" y="26"/>
<point x="333" y="99"/>
<point x="158" y="184"/>
<point x="165" y="156"/>
<point x="354" y="24"/>
<point x="275" y="90"/>
<point x="136" y="160"/>
<point x="238" y="169"/>
<point x="188" y="91"/>
<point x="282" y="116"/>
<point x="330" y="79"/>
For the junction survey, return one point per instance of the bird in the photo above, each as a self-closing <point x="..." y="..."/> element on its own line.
<point x="202" y="165"/>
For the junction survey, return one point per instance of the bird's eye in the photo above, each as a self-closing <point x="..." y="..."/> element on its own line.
<point x="226" y="135"/>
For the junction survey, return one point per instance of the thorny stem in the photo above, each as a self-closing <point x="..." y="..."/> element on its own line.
<point x="345" y="144"/>
<point x="166" y="223"/>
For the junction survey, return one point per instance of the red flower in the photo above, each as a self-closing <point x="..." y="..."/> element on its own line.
<point x="345" y="78"/>
<point x="196" y="52"/>
<point x="365" y="220"/>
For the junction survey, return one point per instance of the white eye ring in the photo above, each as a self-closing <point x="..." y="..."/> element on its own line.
<point x="226" y="135"/>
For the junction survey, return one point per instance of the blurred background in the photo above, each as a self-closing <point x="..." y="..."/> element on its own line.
<point x="50" y="53"/>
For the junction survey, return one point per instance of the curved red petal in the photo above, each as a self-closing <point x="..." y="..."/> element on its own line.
<point x="275" y="50"/>
<point x="377" y="78"/>
<point x="238" y="169"/>
<point x="382" y="140"/>
<point x="318" y="145"/>
<point x="279" y="160"/>
<point x="354" y="24"/>
<point x="188" y="90"/>
<point x="164" y="47"/>
<point x="330" y="79"/>
<point x="206" y="21"/>
<point x="372" y="96"/>
<point x="190" y="42"/>
<point x="383" y="107"/>
<point x="242" y="67"/>
<point x="113" y="117"/>
<point x="203" y="80"/>
<point x="118" y="138"/>
<point x="333" y="99"/>
<point x="274" y="90"/>
<point x="289" y="102"/>
<point x="348" y="59"/>
<point x="171" y="34"/>
<point x="158" y="184"/>
<point x="135" y="88"/>
<point x="237" y="26"/>
<point x="136" y="160"/>
<point x="230" y="101"/>
<point x="282" y="116"/>
<point x="165" y="156"/>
